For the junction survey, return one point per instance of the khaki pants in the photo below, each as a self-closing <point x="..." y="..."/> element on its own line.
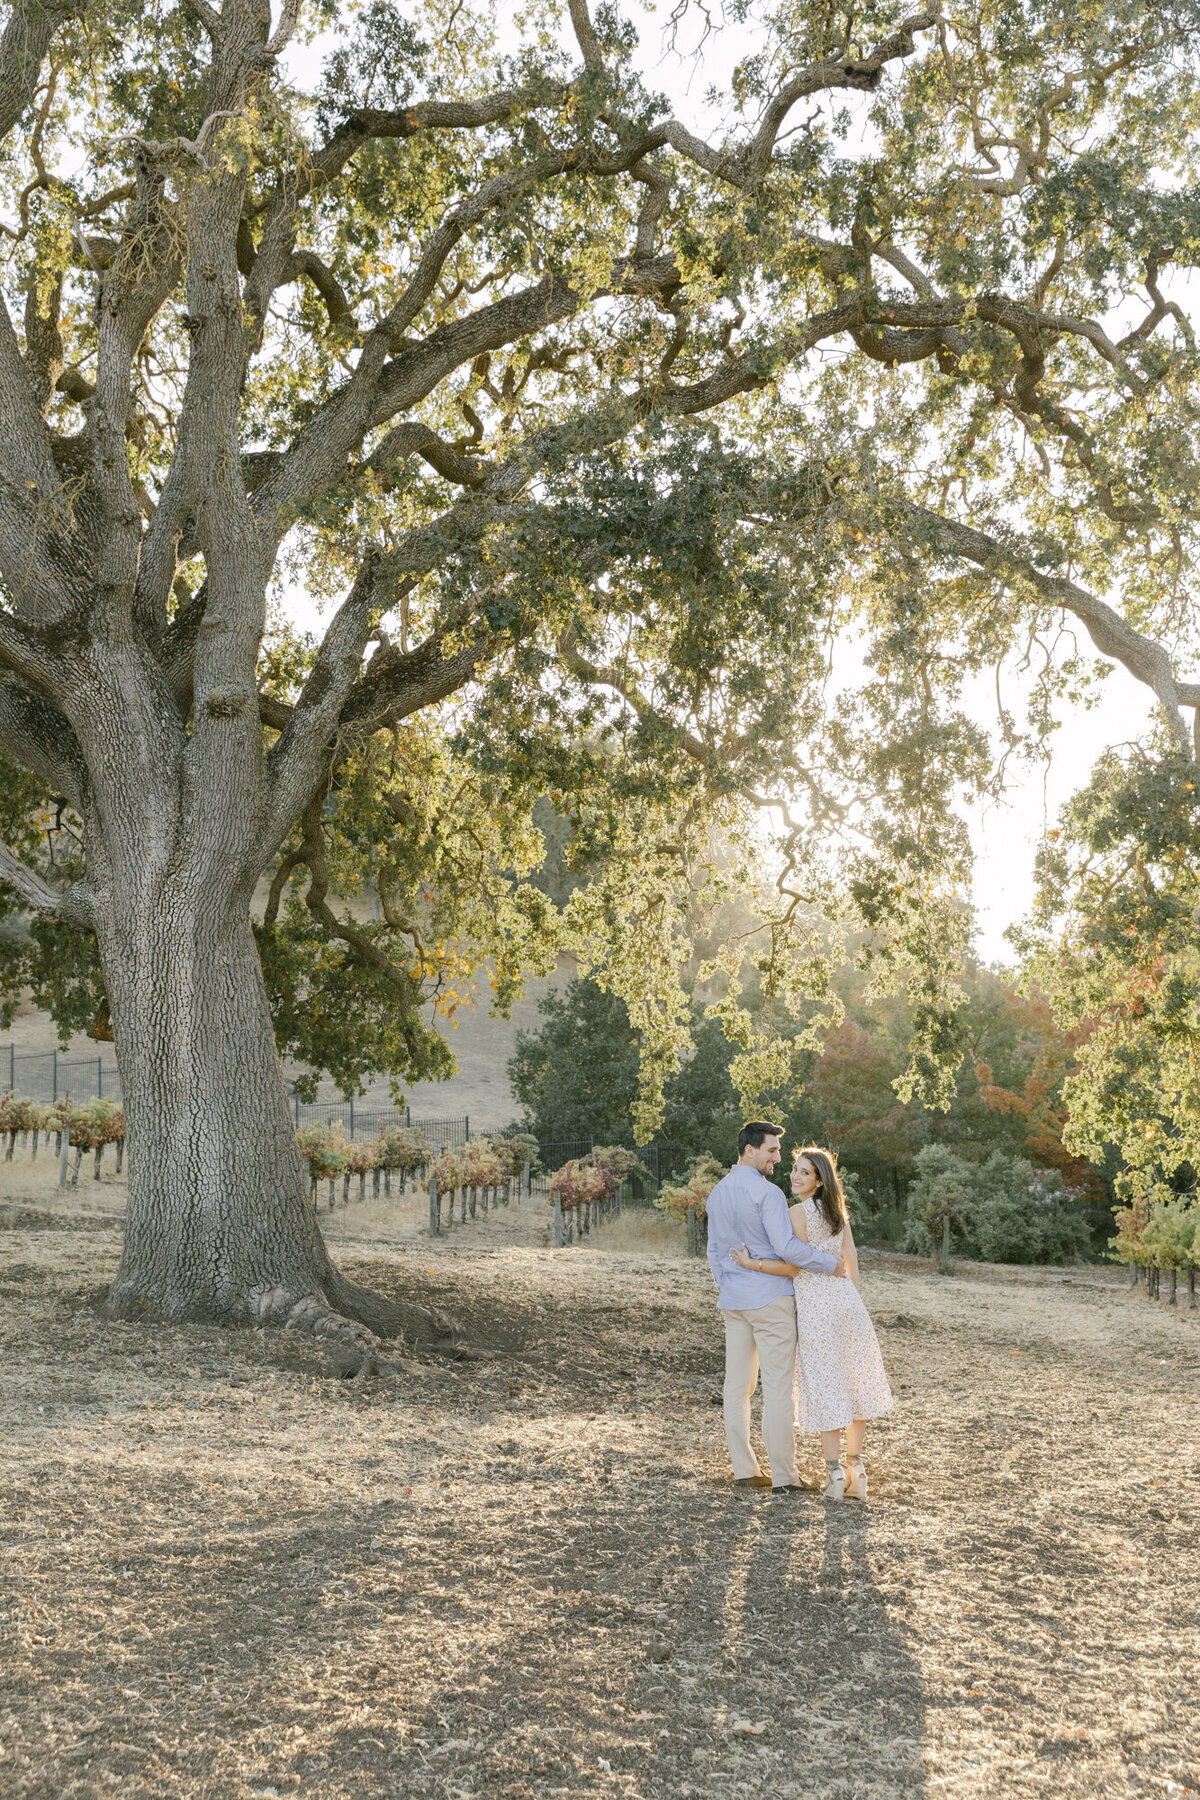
<point x="762" y="1336"/>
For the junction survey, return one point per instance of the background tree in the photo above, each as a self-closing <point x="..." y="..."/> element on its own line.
<point x="1113" y="938"/>
<point x="588" y="1033"/>
<point x="1013" y="1065"/>
<point x="577" y="1076"/>
<point x="1013" y="1062"/>
<point x="496" y="347"/>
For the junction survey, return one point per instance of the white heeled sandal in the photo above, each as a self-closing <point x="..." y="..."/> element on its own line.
<point x="835" y="1482"/>
<point x="856" y="1478"/>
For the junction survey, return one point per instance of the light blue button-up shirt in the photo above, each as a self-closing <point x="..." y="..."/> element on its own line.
<point x="746" y="1208"/>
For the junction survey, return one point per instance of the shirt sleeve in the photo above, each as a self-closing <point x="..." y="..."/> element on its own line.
<point x="714" y="1260"/>
<point x="783" y="1240"/>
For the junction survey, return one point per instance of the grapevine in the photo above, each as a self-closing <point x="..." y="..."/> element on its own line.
<point x="688" y="1201"/>
<point x="328" y="1154"/>
<point x="1155" y="1235"/>
<point x="587" y="1190"/>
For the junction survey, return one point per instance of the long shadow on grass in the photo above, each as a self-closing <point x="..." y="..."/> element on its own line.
<point x="524" y="1628"/>
<point x="801" y="1684"/>
<point x="517" y="1640"/>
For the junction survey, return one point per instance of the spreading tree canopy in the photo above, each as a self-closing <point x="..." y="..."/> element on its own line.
<point x="596" y="432"/>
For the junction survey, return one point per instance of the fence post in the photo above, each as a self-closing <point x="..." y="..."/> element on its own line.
<point x="352" y="1115"/>
<point x="558" y="1222"/>
<point x="100" y="1078"/>
<point x="12" y="1067"/>
<point x="62" y="1159"/>
<point x="944" y="1264"/>
<point x="466" y="1127"/>
<point x="435" y="1208"/>
<point x="691" y="1231"/>
<point x="54" y="1053"/>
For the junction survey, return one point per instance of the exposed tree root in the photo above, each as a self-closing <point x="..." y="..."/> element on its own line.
<point x="391" y="1318"/>
<point x="348" y="1319"/>
<point x="311" y="1314"/>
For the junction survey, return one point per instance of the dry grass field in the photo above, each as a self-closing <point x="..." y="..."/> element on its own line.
<point x="227" y="1574"/>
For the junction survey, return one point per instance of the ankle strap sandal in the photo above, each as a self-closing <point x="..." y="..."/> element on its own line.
<point x="835" y="1481"/>
<point x="856" y="1478"/>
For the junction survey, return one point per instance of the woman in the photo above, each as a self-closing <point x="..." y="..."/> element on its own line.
<point x="841" y="1380"/>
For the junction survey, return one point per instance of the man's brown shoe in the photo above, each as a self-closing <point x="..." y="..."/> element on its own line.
<point x="752" y="1481"/>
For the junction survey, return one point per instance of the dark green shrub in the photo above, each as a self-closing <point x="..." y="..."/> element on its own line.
<point x="1003" y="1210"/>
<point x="1019" y="1215"/>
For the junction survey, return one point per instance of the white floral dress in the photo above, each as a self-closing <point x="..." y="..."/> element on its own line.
<point x="839" y="1371"/>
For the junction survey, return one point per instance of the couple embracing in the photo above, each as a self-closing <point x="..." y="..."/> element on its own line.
<point x="787" y="1286"/>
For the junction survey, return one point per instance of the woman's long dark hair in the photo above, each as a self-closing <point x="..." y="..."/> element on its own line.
<point x="829" y="1195"/>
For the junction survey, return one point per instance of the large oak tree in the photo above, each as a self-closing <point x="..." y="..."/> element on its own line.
<point x="603" y="430"/>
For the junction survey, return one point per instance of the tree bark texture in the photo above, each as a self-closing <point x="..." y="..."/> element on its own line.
<point x="221" y="1223"/>
<point x="209" y="1125"/>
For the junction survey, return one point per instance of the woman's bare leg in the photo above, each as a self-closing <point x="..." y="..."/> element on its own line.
<point x="855" y="1436"/>
<point x="835" y="1481"/>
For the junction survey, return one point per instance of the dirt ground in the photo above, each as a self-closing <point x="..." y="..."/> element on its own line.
<point x="525" y="1576"/>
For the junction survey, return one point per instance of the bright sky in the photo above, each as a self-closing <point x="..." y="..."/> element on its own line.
<point x="1006" y="833"/>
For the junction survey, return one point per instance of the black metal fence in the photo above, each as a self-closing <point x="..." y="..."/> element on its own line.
<point x="880" y="1185"/>
<point x="882" y="1197"/>
<point x="49" y="1075"/>
<point x="367" y="1119"/>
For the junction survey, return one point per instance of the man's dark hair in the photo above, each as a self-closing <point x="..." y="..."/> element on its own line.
<point x="754" y="1131"/>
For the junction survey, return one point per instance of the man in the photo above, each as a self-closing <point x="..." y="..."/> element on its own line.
<point x="759" y="1309"/>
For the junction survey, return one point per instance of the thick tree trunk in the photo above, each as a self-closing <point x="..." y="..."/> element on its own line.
<point x="221" y="1224"/>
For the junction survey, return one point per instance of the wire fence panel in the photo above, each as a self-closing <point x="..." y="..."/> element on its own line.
<point x="367" y="1119"/>
<point x="49" y="1075"/>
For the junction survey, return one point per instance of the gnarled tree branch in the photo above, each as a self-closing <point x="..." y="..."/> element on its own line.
<point x="34" y="731"/>
<point x="28" y="34"/>
<point x="1112" y="635"/>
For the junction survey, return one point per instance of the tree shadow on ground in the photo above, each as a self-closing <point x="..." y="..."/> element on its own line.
<point x="401" y="1599"/>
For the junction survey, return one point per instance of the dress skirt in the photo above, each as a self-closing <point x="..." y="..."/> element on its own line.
<point x="839" y="1370"/>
